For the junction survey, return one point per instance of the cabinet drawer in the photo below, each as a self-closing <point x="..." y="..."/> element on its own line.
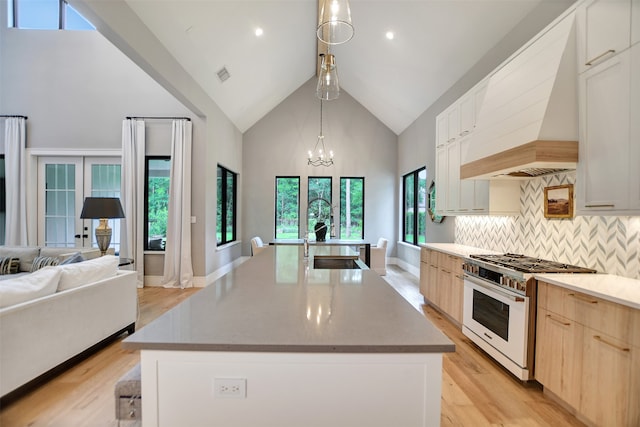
<point x="424" y="255"/>
<point x="615" y="320"/>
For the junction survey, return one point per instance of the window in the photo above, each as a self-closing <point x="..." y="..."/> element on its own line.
<point x="414" y="191"/>
<point x="287" y="207"/>
<point x="351" y="208"/>
<point x="45" y="15"/>
<point x="156" y="195"/>
<point x="226" y="214"/>
<point x="319" y="208"/>
<point x="3" y="200"/>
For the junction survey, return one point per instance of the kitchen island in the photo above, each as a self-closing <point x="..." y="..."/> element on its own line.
<point x="277" y="342"/>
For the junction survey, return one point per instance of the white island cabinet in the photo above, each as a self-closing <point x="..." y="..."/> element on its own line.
<point x="277" y="342"/>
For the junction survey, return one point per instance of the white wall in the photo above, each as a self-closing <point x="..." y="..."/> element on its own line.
<point x="277" y="146"/>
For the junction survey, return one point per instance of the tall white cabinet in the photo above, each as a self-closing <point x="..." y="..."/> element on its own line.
<point x="604" y="28"/>
<point x="608" y="176"/>
<point x="604" y="143"/>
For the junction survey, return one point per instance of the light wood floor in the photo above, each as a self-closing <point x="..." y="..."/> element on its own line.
<point x="475" y="390"/>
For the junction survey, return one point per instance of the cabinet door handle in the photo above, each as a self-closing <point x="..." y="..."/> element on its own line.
<point x="550" y="317"/>
<point x="610" y="344"/>
<point x="583" y="299"/>
<point x="463" y="210"/>
<point x="451" y="139"/>
<point x="477" y="209"/>
<point x="602" y="55"/>
<point x="602" y="205"/>
<point x="464" y="132"/>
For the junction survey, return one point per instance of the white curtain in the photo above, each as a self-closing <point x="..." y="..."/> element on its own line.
<point x="15" y="174"/>
<point x="178" y="270"/>
<point x="132" y="194"/>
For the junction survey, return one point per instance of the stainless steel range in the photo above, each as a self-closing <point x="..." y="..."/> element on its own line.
<point x="499" y="312"/>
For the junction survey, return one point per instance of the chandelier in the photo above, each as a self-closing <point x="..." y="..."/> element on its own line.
<point x="319" y="155"/>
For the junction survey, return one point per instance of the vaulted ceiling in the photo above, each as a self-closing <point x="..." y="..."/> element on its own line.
<point x="435" y="43"/>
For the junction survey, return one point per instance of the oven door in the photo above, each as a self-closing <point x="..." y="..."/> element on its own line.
<point x="498" y="318"/>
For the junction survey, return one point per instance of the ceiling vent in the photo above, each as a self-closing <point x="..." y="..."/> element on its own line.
<point x="223" y="74"/>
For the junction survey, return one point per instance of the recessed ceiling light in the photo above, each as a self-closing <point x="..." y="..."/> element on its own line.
<point x="390" y="35"/>
<point x="259" y="32"/>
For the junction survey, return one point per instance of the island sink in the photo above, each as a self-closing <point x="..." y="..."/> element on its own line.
<point x="338" y="263"/>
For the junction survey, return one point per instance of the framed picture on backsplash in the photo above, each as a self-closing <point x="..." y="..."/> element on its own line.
<point x="558" y="201"/>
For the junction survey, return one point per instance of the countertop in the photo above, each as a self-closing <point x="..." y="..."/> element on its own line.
<point x="457" y="250"/>
<point x="277" y="302"/>
<point x="618" y="289"/>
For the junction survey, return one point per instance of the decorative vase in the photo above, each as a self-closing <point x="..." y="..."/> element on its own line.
<point x="321" y="231"/>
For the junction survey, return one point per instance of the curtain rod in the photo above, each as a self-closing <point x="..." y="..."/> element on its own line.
<point x="9" y="116"/>
<point x="161" y="118"/>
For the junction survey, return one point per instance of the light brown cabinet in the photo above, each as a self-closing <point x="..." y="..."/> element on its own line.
<point x="441" y="282"/>
<point x="588" y="355"/>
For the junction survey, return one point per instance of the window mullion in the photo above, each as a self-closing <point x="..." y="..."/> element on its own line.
<point x="61" y="14"/>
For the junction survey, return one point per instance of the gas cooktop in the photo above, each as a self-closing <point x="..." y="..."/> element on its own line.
<point x="528" y="264"/>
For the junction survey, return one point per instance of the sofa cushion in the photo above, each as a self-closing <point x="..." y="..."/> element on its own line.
<point x="9" y="265"/>
<point x="73" y="258"/>
<point x="29" y="286"/>
<point x="25" y="253"/>
<point x="82" y="273"/>
<point x="43" y="261"/>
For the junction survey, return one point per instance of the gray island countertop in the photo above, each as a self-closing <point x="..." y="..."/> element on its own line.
<point x="277" y="302"/>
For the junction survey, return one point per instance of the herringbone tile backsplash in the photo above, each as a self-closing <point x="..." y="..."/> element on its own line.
<point x="609" y="244"/>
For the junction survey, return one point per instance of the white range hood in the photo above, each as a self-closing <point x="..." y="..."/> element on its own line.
<point x="528" y="120"/>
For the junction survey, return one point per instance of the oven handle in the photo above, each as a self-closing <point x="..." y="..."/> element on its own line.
<point x="491" y="288"/>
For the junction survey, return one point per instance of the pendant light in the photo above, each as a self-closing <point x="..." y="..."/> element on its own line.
<point x="334" y="22"/>
<point x="319" y="156"/>
<point x="328" y="87"/>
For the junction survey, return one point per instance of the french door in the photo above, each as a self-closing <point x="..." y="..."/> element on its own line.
<point x="63" y="183"/>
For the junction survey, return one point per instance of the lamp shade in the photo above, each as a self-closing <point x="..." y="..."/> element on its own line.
<point x="102" y="207"/>
<point x="334" y="22"/>
<point x="328" y="87"/>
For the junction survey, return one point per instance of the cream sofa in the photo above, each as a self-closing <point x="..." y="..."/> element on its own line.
<point x="68" y="310"/>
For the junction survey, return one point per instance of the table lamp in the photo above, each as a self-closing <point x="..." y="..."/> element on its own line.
<point x="102" y="208"/>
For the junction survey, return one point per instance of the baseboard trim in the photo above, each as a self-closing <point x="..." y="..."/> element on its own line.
<point x="415" y="271"/>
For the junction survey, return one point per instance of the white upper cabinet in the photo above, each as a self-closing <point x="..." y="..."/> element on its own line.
<point x="479" y="91"/>
<point x="453" y="185"/>
<point x="634" y="156"/>
<point x="604" y="30"/>
<point x="442" y="129"/>
<point x="467" y="114"/>
<point x="604" y="154"/>
<point x="453" y="122"/>
<point x="442" y="180"/>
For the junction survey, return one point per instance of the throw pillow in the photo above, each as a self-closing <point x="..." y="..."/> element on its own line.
<point x="25" y="253"/>
<point x="43" y="261"/>
<point x="72" y="259"/>
<point x="9" y="265"/>
<point x="28" y="287"/>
